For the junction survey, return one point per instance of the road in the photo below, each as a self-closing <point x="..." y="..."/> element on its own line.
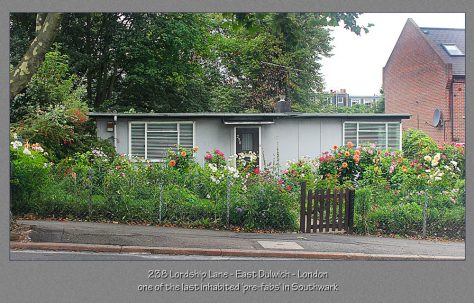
<point x="41" y="255"/>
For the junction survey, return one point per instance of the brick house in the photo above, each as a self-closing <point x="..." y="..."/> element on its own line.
<point x="425" y="72"/>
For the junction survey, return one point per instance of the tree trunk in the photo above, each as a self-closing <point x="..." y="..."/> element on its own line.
<point x="46" y="29"/>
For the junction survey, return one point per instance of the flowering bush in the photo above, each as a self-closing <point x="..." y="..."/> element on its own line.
<point x="181" y="159"/>
<point x="303" y="170"/>
<point x="216" y="158"/>
<point x="391" y="187"/>
<point x="29" y="171"/>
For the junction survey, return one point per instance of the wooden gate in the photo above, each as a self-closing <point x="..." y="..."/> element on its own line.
<point x="322" y="210"/>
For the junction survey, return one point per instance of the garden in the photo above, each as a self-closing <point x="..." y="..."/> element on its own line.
<point x="231" y="191"/>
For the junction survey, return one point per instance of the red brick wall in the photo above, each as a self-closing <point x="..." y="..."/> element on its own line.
<point x="414" y="82"/>
<point x="458" y="110"/>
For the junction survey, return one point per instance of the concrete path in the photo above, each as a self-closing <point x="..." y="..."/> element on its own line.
<point x="86" y="236"/>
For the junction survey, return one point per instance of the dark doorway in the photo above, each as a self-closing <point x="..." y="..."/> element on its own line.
<point x="247" y="140"/>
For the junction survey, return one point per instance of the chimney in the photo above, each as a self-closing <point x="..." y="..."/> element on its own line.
<point x="282" y="105"/>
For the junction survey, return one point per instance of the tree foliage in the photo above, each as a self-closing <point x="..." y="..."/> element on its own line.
<point x="187" y="62"/>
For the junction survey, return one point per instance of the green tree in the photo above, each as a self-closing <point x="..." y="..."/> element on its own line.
<point x="182" y="62"/>
<point x="45" y="31"/>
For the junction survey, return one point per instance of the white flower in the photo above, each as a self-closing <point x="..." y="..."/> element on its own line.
<point x="437" y="157"/>
<point x="208" y="196"/>
<point x="428" y="158"/>
<point x="454" y="163"/>
<point x="16" y="144"/>
<point x="434" y="162"/>
<point x="26" y="151"/>
<point x="15" y="136"/>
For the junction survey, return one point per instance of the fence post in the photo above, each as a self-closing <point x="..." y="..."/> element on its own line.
<point x="302" y="207"/>
<point x="161" y="199"/>
<point x="90" y="193"/>
<point x="424" y="212"/>
<point x="228" y="200"/>
<point x="351" y="211"/>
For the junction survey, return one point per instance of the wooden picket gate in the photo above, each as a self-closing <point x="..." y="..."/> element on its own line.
<point x="322" y="210"/>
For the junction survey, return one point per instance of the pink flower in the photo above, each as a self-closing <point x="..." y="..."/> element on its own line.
<point x="443" y="156"/>
<point x="280" y="182"/>
<point x="219" y="153"/>
<point x="208" y="157"/>
<point x="325" y="153"/>
<point x="122" y="173"/>
<point x="285" y="171"/>
<point x="288" y="188"/>
<point x="256" y="171"/>
<point x="392" y="168"/>
<point x="117" y="167"/>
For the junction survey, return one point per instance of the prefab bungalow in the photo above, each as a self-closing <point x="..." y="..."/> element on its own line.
<point x="275" y="137"/>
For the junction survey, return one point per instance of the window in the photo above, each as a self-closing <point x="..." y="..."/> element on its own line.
<point x="383" y="134"/>
<point x="453" y="50"/>
<point x="151" y="140"/>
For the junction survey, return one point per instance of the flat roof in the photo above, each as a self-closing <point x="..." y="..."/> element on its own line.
<point x="250" y="115"/>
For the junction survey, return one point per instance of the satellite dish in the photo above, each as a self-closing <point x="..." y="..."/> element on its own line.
<point x="437" y="118"/>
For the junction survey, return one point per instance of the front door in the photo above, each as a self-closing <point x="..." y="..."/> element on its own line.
<point x="247" y="140"/>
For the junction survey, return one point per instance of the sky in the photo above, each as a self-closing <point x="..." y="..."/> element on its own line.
<point x="357" y="61"/>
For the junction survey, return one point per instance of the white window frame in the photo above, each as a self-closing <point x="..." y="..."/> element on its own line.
<point x="371" y="122"/>
<point x="178" y="123"/>
<point x="452" y="47"/>
<point x="355" y="101"/>
<point x="234" y="141"/>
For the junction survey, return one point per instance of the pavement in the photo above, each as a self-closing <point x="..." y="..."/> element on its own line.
<point x="121" y="239"/>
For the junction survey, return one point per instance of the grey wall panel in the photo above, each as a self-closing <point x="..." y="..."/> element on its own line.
<point x="331" y="133"/>
<point x="102" y="132"/>
<point x="212" y="134"/>
<point x="310" y="137"/>
<point x="122" y="136"/>
<point x="281" y="137"/>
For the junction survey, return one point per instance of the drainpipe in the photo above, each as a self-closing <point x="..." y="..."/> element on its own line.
<point x="451" y="109"/>
<point x="115" y="132"/>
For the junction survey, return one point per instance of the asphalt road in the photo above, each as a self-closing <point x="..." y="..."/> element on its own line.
<point x="41" y="255"/>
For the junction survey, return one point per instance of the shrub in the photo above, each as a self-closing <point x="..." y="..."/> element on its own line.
<point x="266" y="207"/>
<point x="417" y="144"/>
<point x="29" y="173"/>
